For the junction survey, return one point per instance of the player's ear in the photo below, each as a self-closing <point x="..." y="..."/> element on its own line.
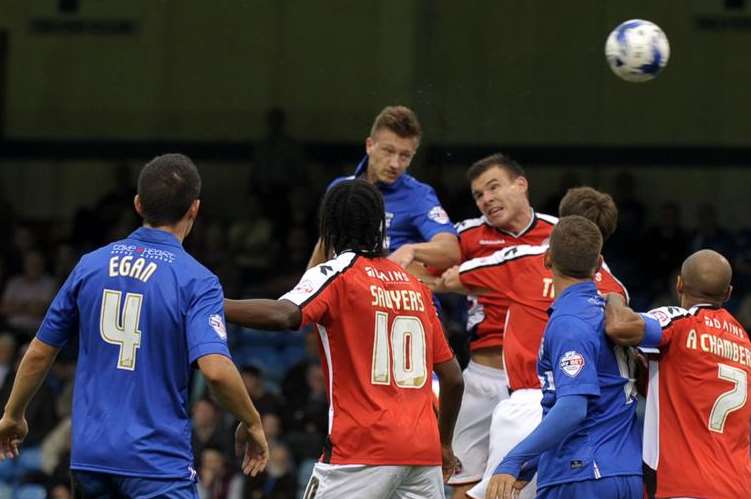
<point x="547" y="260"/>
<point x="679" y="285"/>
<point x="194" y="207"/>
<point x="369" y="145"/>
<point x="137" y="205"/>
<point x="728" y="292"/>
<point x="522" y="182"/>
<point x="599" y="264"/>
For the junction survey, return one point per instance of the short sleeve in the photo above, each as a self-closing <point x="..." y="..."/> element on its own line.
<point x="204" y="323"/>
<point x="573" y="351"/>
<point x="62" y="319"/>
<point x="431" y="219"/>
<point x="315" y="293"/>
<point x="661" y="325"/>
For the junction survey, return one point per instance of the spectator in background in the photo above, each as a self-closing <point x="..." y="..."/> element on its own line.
<point x="208" y="430"/>
<point x="664" y="247"/>
<point x="216" y="479"/>
<point x="278" y="162"/>
<point x="265" y="401"/>
<point x="568" y="180"/>
<point x="7" y="356"/>
<point x="709" y="234"/>
<point x="279" y="481"/>
<point x="27" y="296"/>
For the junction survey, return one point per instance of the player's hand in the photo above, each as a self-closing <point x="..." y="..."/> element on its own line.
<point x="12" y="433"/>
<point x="250" y="442"/>
<point x="504" y="486"/>
<point x="403" y="256"/>
<point x="450" y="464"/>
<point x="450" y="278"/>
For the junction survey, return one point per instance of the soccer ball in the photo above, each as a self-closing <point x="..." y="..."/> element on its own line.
<point x="637" y="50"/>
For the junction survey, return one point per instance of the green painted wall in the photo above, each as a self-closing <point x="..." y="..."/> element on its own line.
<point x="504" y="71"/>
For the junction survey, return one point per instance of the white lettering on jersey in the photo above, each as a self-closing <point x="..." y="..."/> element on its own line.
<point x="127" y="267"/>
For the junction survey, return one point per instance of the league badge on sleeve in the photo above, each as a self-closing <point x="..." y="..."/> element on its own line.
<point x="572" y="363"/>
<point x="217" y="324"/>
<point x="438" y="215"/>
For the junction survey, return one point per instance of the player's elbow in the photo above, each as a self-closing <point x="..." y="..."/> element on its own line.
<point x="214" y="368"/>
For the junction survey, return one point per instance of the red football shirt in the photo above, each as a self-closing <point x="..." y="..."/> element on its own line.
<point x="477" y="238"/>
<point x="696" y="430"/>
<point x="518" y="274"/>
<point x="380" y="337"/>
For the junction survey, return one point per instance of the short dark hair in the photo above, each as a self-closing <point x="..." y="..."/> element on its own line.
<point x="596" y="206"/>
<point x="399" y="119"/>
<point x="353" y="218"/>
<point x="575" y="246"/>
<point x="167" y="186"/>
<point x="502" y="161"/>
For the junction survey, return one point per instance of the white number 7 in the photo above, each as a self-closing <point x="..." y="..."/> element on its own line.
<point x="731" y="400"/>
<point x="125" y="333"/>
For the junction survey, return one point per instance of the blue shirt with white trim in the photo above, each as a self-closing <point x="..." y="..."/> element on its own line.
<point x="144" y="311"/>
<point x="577" y="358"/>
<point x="413" y="212"/>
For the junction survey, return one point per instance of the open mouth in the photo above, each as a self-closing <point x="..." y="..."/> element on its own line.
<point x="495" y="211"/>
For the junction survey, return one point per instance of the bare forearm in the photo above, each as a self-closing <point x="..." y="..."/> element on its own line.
<point x="622" y="325"/>
<point x="229" y="390"/>
<point x="441" y="252"/>
<point x="31" y="373"/>
<point x="261" y="314"/>
<point x="450" y="400"/>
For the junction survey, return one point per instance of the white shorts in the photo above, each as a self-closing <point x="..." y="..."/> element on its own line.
<point x="513" y="419"/>
<point x="484" y="387"/>
<point x="359" y="481"/>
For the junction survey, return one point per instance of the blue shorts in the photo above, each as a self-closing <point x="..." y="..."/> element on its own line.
<point x="614" y="487"/>
<point x="92" y="485"/>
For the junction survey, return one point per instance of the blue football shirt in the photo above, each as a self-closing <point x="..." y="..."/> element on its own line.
<point x="576" y="358"/>
<point x="413" y="212"/>
<point x="144" y="311"/>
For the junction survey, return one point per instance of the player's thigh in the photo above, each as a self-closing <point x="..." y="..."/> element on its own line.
<point x="615" y="487"/>
<point x="148" y="488"/>
<point x="341" y="481"/>
<point x="484" y="387"/>
<point x="92" y="485"/>
<point x="421" y="482"/>
<point x="513" y="420"/>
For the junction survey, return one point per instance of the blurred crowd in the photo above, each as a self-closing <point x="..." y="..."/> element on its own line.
<point x="262" y="253"/>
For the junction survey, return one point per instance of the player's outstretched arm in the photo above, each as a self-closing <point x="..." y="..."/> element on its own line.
<point x="263" y="314"/>
<point x="441" y="252"/>
<point x="31" y="373"/>
<point x="449" y="400"/>
<point x="623" y="325"/>
<point x="229" y="390"/>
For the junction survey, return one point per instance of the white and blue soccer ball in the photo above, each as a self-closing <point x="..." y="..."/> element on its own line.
<point x="637" y="50"/>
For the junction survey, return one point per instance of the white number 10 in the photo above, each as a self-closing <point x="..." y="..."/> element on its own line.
<point x="124" y="333"/>
<point x="408" y="347"/>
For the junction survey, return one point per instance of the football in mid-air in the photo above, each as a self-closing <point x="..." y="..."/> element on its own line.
<point x="637" y="50"/>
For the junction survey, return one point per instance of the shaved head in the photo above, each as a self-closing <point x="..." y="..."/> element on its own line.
<point x="706" y="275"/>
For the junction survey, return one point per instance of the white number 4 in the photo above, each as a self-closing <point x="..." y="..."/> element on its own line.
<point x="123" y="333"/>
<point x="408" y="347"/>
<point x="731" y="400"/>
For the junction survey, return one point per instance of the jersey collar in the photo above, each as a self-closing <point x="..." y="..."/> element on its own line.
<point x="529" y="227"/>
<point x="582" y="289"/>
<point x="151" y="235"/>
